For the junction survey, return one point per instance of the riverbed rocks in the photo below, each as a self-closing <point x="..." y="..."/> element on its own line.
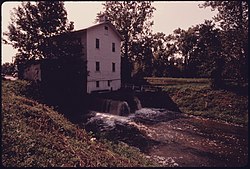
<point x="165" y="162"/>
<point x="120" y="128"/>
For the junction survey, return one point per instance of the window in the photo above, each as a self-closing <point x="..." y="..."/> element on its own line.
<point x="97" y="66"/>
<point x="106" y="28"/>
<point x="109" y="82"/>
<point x="97" y="43"/>
<point x="113" y="47"/>
<point x="113" y="67"/>
<point x="97" y="84"/>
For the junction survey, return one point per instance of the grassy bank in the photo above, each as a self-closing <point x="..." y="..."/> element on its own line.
<point x="34" y="135"/>
<point x="195" y="97"/>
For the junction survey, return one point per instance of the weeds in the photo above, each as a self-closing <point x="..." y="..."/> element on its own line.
<point x="195" y="97"/>
<point x="34" y="135"/>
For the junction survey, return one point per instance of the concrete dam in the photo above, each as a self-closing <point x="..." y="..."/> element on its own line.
<point x="123" y="103"/>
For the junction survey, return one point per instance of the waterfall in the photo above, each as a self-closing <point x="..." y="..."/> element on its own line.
<point x="115" y="107"/>
<point x="123" y="109"/>
<point x="106" y="105"/>
<point x="121" y="106"/>
<point x="138" y="103"/>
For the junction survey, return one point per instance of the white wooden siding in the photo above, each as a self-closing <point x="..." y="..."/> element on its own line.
<point x="105" y="56"/>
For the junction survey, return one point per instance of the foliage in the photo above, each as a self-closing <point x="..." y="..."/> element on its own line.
<point x="64" y="81"/>
<point x="201" y="48"/>
<point x="217" y="52"/>
<point x="233" y="21"/>
<point x="64" y="85"/>
<point x="8" y="68"/>
<point x="132" y="20"/>
<point x="34" y="135"/>
<point x="156" y="53"/>
<point x="65" y="47"/>
<point x="208" y="50"/>
<point x="213" y="49"/>
<point x="40" y="31"/>
<point x="175" y="81"/>
<point x="196" y="97"/>
<point x="32" y="23"/>
<point x="185" y="42"/>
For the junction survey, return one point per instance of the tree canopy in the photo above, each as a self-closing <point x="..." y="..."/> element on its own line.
<point x="132" y="20"/>
<point x="217" y="48"/>
<point x="233" y="21"/>
<point x="32" y="23"/>
<point x="8" y="68"/>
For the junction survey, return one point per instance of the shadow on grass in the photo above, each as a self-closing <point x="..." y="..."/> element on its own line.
<point x="235" y="87"/>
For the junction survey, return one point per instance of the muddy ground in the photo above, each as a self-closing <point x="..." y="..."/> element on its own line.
<point x="195" y="142"/>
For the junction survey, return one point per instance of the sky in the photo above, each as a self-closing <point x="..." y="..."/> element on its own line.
<point x="168" y="16"/>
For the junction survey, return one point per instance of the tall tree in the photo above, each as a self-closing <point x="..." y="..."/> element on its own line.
<point x="201" y="49"/>
<point x="31" y="24"/>
<point x="233" y="21"/>
<point x="163" y="50"/>
<point x="185" y="42"/>
<point x="132" y="20"/>
<point x="206" y="59"/>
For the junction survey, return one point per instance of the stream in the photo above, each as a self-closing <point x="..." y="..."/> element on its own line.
<point x="173" y="139"/>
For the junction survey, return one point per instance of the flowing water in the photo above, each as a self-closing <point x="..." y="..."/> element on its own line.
<point x="115" y="107"/>
<point x="172" y="138"/>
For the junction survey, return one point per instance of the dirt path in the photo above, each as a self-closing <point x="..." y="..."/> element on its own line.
<point x="196" y="142"/>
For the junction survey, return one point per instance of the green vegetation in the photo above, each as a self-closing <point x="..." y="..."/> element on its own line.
<point x="175" y="81"/>
<point x="34" y="135"/>
<point x="195" y="97"/>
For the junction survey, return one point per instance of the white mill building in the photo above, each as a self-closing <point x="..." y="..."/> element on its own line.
<point x="102" y="53"/>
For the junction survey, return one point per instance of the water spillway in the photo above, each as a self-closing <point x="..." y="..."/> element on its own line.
<point x="157" y="100"/>
<point x="124" y="116"/>
<point x="115" y="107"/>
<point x="124" y="103"/>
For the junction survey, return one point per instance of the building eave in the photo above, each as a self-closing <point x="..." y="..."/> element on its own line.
<point x="102" y="23"/>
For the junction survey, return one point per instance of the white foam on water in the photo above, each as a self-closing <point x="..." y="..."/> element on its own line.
<point x="110" y="118"/>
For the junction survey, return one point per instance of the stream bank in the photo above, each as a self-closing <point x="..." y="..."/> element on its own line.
<point x="170" y="137"/>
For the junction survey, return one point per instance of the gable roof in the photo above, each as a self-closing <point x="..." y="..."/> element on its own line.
<point x="102" y="23"/>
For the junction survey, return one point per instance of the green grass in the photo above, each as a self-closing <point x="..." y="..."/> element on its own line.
<point x="175" y="81"/>
<point x="195" y="97"/>
<point x="34" y="135"/>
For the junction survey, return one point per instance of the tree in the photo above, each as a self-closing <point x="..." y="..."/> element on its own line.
<point x="201" y="49"/>
<point x="207" y="56"/>
<point x="153" y="54"/>
<point x="208" y="49"/>
<point x="8" y="68"/>
<point x="185" y="42"/>
<point x="233" y="21"/>
<point x="132" y="20"/>
<point x="33" y="23"/>
<point x="163" y="50"/>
